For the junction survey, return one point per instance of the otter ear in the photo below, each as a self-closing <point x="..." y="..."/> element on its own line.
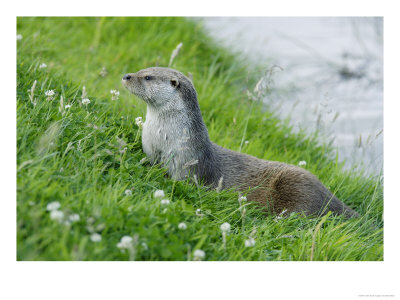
<point x="175" y="82"/>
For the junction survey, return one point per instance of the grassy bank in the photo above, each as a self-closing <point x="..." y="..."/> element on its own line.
<point x="88" y="157"/>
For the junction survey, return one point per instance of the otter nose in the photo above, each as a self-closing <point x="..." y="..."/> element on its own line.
<point x="127" y="77"/>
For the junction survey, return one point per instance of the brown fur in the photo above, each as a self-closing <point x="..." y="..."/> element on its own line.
<point x="173" y="112"/>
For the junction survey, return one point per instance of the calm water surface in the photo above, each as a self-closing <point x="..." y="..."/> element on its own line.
<point x="328" y="76"/>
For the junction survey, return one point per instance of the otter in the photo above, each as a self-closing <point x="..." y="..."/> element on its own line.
<point x="174" y="135"/>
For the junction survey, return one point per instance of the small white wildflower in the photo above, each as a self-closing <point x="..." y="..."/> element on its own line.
<point x="42" y="66"/>
<point x="57" y="215"/>
<point x="85" y="101"/>
<point x="139" y="121"/>
<point x="165" y="201"/>
<point x="74" y="218"/>
<point x="19" y="37"/>
<point x="250" y="242"/>
<point x="198" y="212"/>
<point x="159" y="194"/>
<point x="302" y="163"/>
<point x="242" y="199"/>
<point x="199" y="254"/>
<point x="225" y="227"/>
<point x="49" y="94"/>
<point x="67" y="106"/>
<point x="128" y="192"/>
<point x="246" y="142"/>
<point x="182" y="226"/>
<point x="95" y="238"/>
<point x="53" y="206"/>
<point x="114" y="95"/>
<point x="125" y="243"/>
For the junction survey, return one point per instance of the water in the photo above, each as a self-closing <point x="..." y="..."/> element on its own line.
<point x="328" y="76"/>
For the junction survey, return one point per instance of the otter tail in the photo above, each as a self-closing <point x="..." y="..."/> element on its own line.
<point x="338" y="207"/>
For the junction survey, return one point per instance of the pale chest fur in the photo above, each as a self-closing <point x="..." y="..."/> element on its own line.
<point x="168" y="141"/>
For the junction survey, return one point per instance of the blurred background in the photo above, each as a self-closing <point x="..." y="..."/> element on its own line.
<point x="327" y="76"/>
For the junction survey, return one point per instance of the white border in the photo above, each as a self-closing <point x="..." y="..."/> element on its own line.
<point x="225" y="280"/>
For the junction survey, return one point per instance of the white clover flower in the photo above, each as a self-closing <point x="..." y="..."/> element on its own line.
<point x="50" y="94"/>
<point x="139" y="121"/>
<point x="19" y="37"/>
<point x="302" y="163"/>
<point x="128" y="192"/>
<point x="74" y="218"/>
<point x="198" y="212"/>
<point x="182" y="226"/>
<point x="57" y="215"/>
<point x="114" y="95"/>
<point x="246" y="142"/>
<point x="53" y="206"/>
<point x="85" y="101"/>
<point x="250" y="242"/>
<point x="225" y="227"/>
<point x="42" y="66"/>
<point x="67" y="106"/>
<point x="125" y="243"/>
<point x="199" y="254"/>
<point x="165" y="201"/>
<point x="159" y="194"/>
<point x="95" y="237"/>
<point x="242" y="199"/>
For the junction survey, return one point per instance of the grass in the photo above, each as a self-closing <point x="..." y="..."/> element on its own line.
<point x="79" y="158"/>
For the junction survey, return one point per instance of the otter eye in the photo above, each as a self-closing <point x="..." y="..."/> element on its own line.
<point x="147" y="77"/>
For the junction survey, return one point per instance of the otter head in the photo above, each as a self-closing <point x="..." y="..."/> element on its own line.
<point x="161" y="88"/>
